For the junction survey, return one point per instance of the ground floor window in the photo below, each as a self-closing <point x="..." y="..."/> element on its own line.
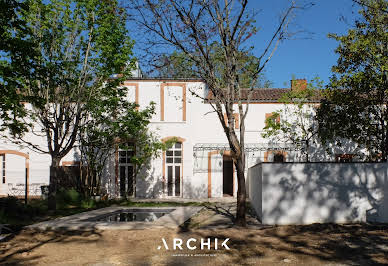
<point x="276" y="156"/>
<point x="126" y="169"/>
<point x="344" y="158"/>
<point x="174" y="169"/>
<point x="2" y="167"/>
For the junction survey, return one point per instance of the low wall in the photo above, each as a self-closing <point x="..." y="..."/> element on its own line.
<point x="303" y="193"/>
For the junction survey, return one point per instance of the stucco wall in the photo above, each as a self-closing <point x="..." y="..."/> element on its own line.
<point x="201" y="126"/>
<point x="254" y="183"/>
<point x="303" y="193"/>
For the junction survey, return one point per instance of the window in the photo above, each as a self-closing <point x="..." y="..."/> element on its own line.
<point x="276" y="156"/>
<point x="174" y="168"/>
<point x="126" y="169"/>
<point x="273" y="116"/>
<point x="2" y="167"/>
<point x="173" y="102"/>
<point x="344" y="158"/>
<point x="236" y="120"/>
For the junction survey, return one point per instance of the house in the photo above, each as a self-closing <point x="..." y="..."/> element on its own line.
<point x="199" y="165"/>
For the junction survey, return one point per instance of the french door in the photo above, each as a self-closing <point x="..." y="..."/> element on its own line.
<point x="174" y="170"/>
<point x="126" y="170"/>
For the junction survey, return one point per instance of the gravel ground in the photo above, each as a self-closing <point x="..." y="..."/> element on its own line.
<point x="316" y="244"/>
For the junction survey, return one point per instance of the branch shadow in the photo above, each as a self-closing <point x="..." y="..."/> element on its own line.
<point x="17" y="248"/>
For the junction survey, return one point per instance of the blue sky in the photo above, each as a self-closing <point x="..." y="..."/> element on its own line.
<point x="304" y="57"/>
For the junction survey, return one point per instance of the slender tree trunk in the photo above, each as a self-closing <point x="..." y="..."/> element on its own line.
<point x="307" y="151"/>
<point x="241" y="193"/>
<point x="54" y="174"/>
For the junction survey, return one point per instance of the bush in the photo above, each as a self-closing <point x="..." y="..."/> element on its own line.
<point x="14" y="211"/>
<point x="88" y="204"/>
<point x="68" y="197"/>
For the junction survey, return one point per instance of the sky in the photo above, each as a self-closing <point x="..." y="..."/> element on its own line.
<point x="308" y="54"/>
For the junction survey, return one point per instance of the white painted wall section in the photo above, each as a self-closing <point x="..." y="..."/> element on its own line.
<point x="303" y="193"/>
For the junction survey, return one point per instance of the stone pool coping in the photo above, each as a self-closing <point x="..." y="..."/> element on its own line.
<point x="81" y="221"/>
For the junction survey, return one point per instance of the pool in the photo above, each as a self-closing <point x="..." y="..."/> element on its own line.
<point x="134" y="215"/>
<point x="122" y="218"/>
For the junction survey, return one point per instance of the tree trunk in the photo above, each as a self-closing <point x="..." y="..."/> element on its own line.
<point x="241" y="193"/>
<point x="307" y="151"/>
<point x="54" y="173"/>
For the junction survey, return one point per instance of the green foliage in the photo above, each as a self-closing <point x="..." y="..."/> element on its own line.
<point x="296" y="123"/>
<point x="78" y="46"/>
<point x="15" y="212"/>
<point x="68" y="197"/>
<point x="88" y="204"/>
<point x="179" y="65"/>
<point x="16" y="51"/>
<point x="356" y="99"/>
<point x="111" y="124"/>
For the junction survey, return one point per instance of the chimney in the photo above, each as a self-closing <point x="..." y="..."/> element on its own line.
<point x="298" y="84"/>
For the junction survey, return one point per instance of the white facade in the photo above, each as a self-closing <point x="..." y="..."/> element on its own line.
<point x="304" y="193"/>
<point x="198" y="168"/>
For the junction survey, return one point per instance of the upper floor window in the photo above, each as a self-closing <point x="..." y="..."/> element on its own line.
<point x="173" y="102"/>
<point x="236" y="117"/>
<point x="275" y="117"/>
<point x="132" y="92"/>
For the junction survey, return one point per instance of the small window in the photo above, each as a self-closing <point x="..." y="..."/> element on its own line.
<point x="275" y="118"/>
<point x="278" y="158"/>
<point x="174" y="154"/>
<point x="126" y="152"/>
<point x="344" y="158"/>
<point x="236" y="120"/>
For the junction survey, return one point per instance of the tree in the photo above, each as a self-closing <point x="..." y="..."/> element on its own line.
<point x="194" y="28"/>
<point x="296" y="123"/>
<point x="16" y="50"/>
<point x="355" y="105"/>
<point x="178" y="65"/>
<point x="81" y="44"/>
<point x="112" y="124"/>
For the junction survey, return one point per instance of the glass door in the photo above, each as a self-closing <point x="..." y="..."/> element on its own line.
<point x="126" y="170"/>
<point x="174" y="170"/>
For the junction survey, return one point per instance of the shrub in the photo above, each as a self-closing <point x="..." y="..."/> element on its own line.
<point x="68" y="197"/>
<point x="88" y="203"/>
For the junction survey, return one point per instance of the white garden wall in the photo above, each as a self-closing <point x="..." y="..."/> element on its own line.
<point x="303" y="193"/>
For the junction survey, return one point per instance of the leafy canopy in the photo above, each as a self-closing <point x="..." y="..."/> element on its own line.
<point x="295" y="122"/>
<point x="356" y="100"/>
<point x="179" y="65"/>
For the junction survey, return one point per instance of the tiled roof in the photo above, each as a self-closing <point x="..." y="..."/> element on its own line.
<point x="265" y="95"/>
<point x="269" y="95"/>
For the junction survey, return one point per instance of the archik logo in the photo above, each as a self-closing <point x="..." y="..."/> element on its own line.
<point x="191" y="244"/>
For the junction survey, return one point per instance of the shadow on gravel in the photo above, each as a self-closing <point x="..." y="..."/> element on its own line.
<point x="18" y="252"/>
<point x="363" y="244"/>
